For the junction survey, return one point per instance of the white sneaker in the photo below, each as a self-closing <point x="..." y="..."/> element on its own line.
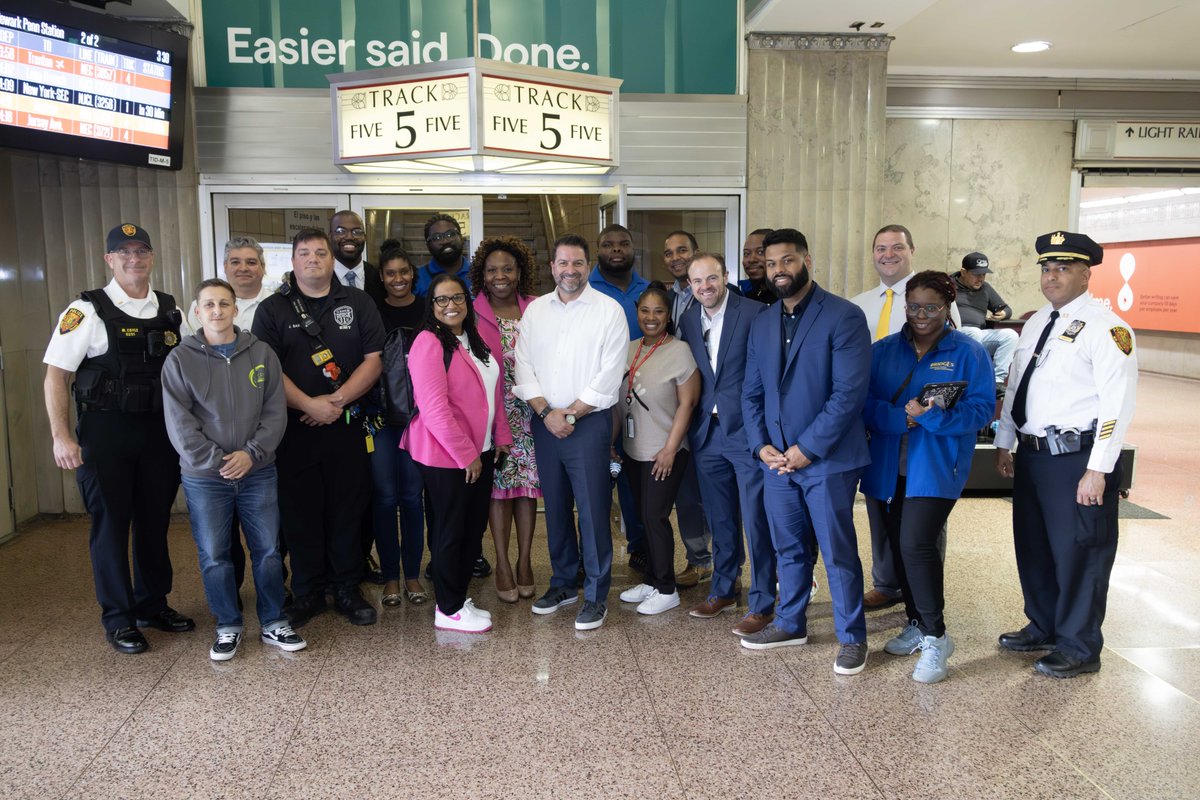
<point x="657" y="603"/>
<point x="469" y="603"/>
<point x="465" y="620"/>
<point x="638" y="593"/>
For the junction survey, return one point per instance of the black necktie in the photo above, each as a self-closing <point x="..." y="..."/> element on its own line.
<point x="1018" y="409"/>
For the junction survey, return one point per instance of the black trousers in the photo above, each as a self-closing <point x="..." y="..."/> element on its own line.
<point x="654" y="500"/>
<point x="324" y="484"/>
<point x="460" y="516"/>
<point x="128" y="481"/>
<point x="914" y="526"/>
<point x="1065" y="551"/>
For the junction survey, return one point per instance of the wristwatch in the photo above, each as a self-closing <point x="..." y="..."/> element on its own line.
<point x="545" y="412"/>
<point x="570" y="419"/>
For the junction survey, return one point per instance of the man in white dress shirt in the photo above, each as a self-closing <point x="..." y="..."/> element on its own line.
<point x="570" y="357"/>
<point x="883" y="305"/>
<point x="245" y="267"/>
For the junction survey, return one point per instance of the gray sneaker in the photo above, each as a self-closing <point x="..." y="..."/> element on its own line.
<point x="851" y="658"/>
<point x="934" y="652"/>
<point x="555" y="598"/>
<point x="591" y="616"/>
<point x="905" y="643"/>
<point x="773" y="636"/>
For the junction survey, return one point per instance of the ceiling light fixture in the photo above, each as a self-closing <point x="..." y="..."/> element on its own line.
<point x="1031" y="47"/>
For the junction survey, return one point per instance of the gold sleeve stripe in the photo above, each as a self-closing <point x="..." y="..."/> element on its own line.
<point x="1106" y="430"/>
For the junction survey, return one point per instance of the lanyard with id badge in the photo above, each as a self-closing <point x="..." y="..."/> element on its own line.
<point x="630" y="395"/>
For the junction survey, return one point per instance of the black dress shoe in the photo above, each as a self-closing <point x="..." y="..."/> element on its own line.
<point x="351" y="604"/>
<point x="127" y="640"/>
<point x="302" y="609"/>
<point x="637" y="561"/>
<point x="1061" y="665"/>
<point x="1025" y="640"/>
<point x="481" y="568"/>
<point x="169" y="620"/>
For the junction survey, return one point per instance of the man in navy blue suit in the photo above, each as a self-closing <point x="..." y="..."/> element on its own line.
<point x="716" y="328"/>
<point x="808" y="362"/>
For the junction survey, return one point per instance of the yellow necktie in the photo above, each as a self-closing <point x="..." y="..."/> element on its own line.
<point x="885" y="317"/>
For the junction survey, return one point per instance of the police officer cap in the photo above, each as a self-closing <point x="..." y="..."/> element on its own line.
<point x="975" y="262"/>
<point x="127" y="232"/>
<point x="1067" y="246"/>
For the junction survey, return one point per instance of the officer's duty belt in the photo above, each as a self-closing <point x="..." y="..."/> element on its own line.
<point x="1040" y="443"/>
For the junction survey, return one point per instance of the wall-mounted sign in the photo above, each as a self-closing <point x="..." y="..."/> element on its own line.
<point x="474" y="115"/>
<point x="655" y="47"/>
<point x="407" y="118"/>
<point x="1151" y="285"/>
<point x="1152" y="141"/>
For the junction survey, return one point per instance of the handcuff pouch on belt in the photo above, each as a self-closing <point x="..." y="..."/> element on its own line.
<point x="1066" y="440"/>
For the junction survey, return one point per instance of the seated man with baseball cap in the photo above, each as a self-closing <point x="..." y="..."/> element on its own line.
<point x="979" y="304"/>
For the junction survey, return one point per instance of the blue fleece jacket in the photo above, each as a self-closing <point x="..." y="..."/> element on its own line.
<point x="942" y="444"/>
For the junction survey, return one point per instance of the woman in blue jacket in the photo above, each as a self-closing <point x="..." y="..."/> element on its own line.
<point x="921" y="454"/>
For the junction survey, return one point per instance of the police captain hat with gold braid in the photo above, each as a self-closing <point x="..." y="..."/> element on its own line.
<point x="1067" y="246"/>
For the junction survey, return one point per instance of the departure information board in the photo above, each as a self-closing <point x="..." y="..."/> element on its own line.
<point x="82" y="84"/>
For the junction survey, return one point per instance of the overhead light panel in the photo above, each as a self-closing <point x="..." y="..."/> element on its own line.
<point x="1031" y="47"/>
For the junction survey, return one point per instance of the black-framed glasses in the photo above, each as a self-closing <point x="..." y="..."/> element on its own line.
<point x="915" y="309"/>
<point x="340" y="231"/>
<point x="443" y="236"/>
<point x="140" y="252"/>
<point x="445" y="300"/>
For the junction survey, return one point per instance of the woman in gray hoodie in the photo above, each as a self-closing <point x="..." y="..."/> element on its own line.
<point x="225" y="407"/>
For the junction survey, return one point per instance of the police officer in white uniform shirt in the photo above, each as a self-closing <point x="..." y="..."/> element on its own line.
<point x="1075" y="379"/>
<point x="108" y="351"/>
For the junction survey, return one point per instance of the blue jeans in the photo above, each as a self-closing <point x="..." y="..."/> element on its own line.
<point x="211" y="505"/>
<point x="397" y="483"/>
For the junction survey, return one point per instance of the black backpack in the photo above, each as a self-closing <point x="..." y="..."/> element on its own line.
<point x="395" y="384"/>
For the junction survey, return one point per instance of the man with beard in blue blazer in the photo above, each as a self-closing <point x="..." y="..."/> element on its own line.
<point x="808" y="363"/>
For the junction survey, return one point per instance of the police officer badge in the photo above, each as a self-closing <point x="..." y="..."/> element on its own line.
<point x="343" y="315"/>
<point x="1073" y="330"/>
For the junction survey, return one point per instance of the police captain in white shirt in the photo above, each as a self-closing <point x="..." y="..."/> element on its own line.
<point x="570" y="356"/>
<point x="1075" y="375"/>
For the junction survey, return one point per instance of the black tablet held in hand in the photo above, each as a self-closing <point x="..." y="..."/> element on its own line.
<point x="943" y="395"/>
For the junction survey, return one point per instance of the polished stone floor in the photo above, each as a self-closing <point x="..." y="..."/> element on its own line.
<point x="662" y="707"/>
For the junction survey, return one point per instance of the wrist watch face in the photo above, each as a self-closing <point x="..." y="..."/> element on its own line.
<point x="570" y="419"/>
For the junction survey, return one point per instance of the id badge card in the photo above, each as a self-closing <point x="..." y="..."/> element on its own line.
<point x="629" y="432"/>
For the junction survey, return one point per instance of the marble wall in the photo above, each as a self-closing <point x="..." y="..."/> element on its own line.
<point x="988" y="185"/>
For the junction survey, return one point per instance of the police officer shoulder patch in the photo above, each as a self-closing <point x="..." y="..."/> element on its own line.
<point x="70" y="320"/>
<point x="1123" y="338"/>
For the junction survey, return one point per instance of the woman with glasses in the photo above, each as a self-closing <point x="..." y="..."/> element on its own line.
<point x="455" y="437"/>
<point x="502" y="280"/>
<point x="396" y="479"/>
<point x="660" y="389"/>
<point x="921" y="453"/>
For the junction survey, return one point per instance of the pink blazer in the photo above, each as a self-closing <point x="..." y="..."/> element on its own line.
<point x="489" y="329"/>
<point x="449" y="430"/>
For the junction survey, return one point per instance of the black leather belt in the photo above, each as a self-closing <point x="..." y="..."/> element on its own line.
<point x="1039" y="442"/>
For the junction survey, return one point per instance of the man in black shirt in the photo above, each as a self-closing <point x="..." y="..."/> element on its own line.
<point x="978" y="304"/>
<point x="324" y="474"/>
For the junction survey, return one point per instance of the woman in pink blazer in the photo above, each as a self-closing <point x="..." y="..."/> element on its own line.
<point x="502" y="280"/>
<point x="455" y="437"/>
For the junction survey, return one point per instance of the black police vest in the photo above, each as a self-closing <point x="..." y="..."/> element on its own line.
<point x="127" y="377"/>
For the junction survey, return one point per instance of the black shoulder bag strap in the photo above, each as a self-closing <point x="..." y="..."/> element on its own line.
<point x="896" y="396"/>
<point x="322" y="356"/>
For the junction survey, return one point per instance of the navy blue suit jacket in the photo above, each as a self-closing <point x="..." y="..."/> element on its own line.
<point x="724" y="389"/>
<point x="813" y="395"/>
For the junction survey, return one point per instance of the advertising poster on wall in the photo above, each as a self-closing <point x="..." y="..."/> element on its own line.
<point x="1154" y="286"/>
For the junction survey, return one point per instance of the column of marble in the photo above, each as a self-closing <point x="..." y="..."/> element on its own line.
<point x="816" y="125"/>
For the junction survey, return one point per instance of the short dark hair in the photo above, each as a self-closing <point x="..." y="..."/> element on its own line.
<point x="439" y="217"/>
<point x="615" y="227"/>
<point x="210" y="283"/>
<point x="657" y="289"/>
<point x="308" y="234"/>
<point x="344" y="212"/>
<point x="786" y="236"/>
<point x="690" y="238"/>
<point x="895" y="229"/>
<point x="571" y="240"/>
<point x="760" y="231"/>
<point x="391" y="250"/>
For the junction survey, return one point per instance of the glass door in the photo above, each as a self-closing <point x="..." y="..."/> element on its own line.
<point x="614" y="206"/>
<point x="714" y="220"/>
<point x="403" y="217"/>
<point x="272" y="219"/>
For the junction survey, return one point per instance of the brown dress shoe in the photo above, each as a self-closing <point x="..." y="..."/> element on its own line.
<point x="692" y="576"/>
<point x="713" y="606"/>
<point x="752" y="623"/>
<point x="875" y="600"/>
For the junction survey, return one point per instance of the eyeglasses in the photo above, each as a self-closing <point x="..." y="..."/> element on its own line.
<point x="340" y="231"/>
<point x="915" y="309"/>
<point x="443" y="236"/>
<point x="443" y="301"/>
<point x="140" y="252"/>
